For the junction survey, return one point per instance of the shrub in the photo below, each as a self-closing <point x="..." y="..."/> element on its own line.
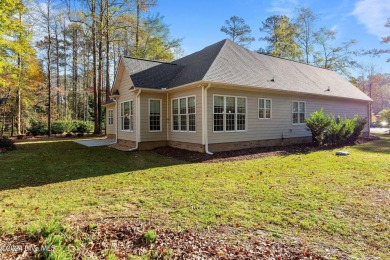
<point x="38" y="128"/>
<point x="317" y="123"/>
<point x="150" y="236"/>
<point x="334" y="131"/>
<point x="82" y="127"/>
<point x="7" y="144"/>
<point x="61" y="126"/>
<point x="359" y="123"/>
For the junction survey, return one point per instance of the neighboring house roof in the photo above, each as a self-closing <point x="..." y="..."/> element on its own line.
<point x="229" y="63"/>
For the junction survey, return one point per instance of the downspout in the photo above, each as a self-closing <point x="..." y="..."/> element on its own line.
<point x="138" y="119"/>
<point x="116" y="121"/>
<point x="168" y="128"/>
<point x="205" y="128"/>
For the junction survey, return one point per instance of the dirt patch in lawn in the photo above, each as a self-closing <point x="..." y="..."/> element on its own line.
<point x="127" y="238"/>
<point x="246" y="154"/>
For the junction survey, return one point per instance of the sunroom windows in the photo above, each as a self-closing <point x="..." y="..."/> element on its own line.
<point x="183" y="114"/>
<point x="229" y="113"/>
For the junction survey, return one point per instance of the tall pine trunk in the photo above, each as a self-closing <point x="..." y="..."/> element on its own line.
<point x="48" y="71"/>
<point x="95" y="86"/>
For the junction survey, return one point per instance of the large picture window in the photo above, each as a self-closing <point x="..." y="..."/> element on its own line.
<point x="229" y="113"/>
<point x="183" y="114"/>
<point x="127" y="117"/>
<point x="298" y="112"/>
<point x="265" y="108"/>
<point x="154" y="115"/>
<point x="110" y="117"/>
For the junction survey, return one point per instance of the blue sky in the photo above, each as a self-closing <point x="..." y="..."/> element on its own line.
<point x="198" y="22"/>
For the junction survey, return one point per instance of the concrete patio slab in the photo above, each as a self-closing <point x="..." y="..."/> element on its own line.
<point x="97" y="142"/>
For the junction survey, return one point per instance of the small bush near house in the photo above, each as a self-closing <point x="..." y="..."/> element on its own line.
<point x="6" y="144"/>
<point x="334" y="131"/>
<point x="317" y="123"/>
<point x="38" y="128"/>
<point x="359" y="122"/>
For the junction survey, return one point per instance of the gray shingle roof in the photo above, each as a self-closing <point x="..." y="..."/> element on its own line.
<point x="228" y="63"/>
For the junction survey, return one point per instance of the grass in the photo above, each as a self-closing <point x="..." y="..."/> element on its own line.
<point x="338" y="202"/>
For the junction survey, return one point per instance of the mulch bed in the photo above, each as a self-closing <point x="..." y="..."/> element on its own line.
<point x="246" y="154"/>
<point x="125" y="238"/>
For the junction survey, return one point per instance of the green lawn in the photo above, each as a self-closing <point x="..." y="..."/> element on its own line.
<point x="337" y="202"/>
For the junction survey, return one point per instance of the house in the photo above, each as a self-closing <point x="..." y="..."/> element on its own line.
<point x="223" y="97"/>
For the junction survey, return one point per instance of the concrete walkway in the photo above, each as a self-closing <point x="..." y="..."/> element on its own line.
<point x="96" y="142"/>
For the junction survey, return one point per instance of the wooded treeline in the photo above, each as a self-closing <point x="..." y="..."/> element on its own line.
<point x="302" y="38"/>
<point x="70" y="50"/>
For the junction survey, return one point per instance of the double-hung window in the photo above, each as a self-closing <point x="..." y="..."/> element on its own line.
<point x="229" y="113"/>
<point x="110" y="117"/>
<point x="154" y="115"/>
<point x="265" y="106"/>
<point x="183" y="114"/>
<point x="298" y="112"/>
<point x="127" y="117"/>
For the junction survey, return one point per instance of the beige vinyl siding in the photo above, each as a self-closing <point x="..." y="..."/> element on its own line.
<point x="110" y="129"/>
<point x="280" y="125"/>
<point x="126" y="95"/>
<point x="146" y="135"/>
<point x="189" y="137"/>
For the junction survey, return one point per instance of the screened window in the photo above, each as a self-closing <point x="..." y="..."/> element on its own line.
<point x="155" y="115"/>
<point x="127" y="116"/>
<point x="264" y="108"/>
<point x="298" y="112"/>
<point x="110" y="117"/>
<point x="183" y="114"/>
<point x="229" y="113"/>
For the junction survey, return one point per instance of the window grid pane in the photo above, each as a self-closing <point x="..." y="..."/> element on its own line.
<point x="154" y="115"/>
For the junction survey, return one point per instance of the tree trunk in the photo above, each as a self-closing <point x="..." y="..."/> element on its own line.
<point x="75" y="71"/>
<point x="58" y="73"/>
<point x="107" y="56"/>
<point x="100" y="68"/>
<point x="65" y="65"/>
<point x="48" y="71"/>
<point x="137" y="26"/>
<point x="95" y="87"/>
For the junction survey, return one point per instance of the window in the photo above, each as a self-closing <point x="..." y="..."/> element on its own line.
<point x="110" y="117"/>
<point x="183" y="114"/>
<point x="229" y="113"/>
<point x="154" y="115"/>
<point x="298" y="112"/>
<point x="264" y="108"/>
<point x="127" y="116"/>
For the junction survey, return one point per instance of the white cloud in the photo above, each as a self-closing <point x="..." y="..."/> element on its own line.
<point x="373" y="15"/>
<point x="284" y="7"/>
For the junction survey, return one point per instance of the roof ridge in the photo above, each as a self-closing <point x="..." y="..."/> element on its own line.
<point x="216" y="57"/>
<point x="161" y="62"/>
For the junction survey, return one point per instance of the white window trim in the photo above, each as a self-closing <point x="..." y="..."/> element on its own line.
<point x="153" y="131"/>
<point x="292" y="112"/>
<point x="187" y="114"/>
<point x="131" y="103"/>
<point x="258" y="108"/>
<point x="110" y="117"/>
<point x="235" y="119"/>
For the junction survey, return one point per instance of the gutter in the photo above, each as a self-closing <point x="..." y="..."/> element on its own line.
<point x="138" y="119"/>
<point x="116" y="121"/>
<point x="205" y="128"/>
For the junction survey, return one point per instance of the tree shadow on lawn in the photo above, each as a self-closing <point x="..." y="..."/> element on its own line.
<point x="39" y="163"/>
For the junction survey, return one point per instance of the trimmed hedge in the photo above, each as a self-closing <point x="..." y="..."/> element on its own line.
<point x="334" y="131"/>
<point x="60" y="127"/>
